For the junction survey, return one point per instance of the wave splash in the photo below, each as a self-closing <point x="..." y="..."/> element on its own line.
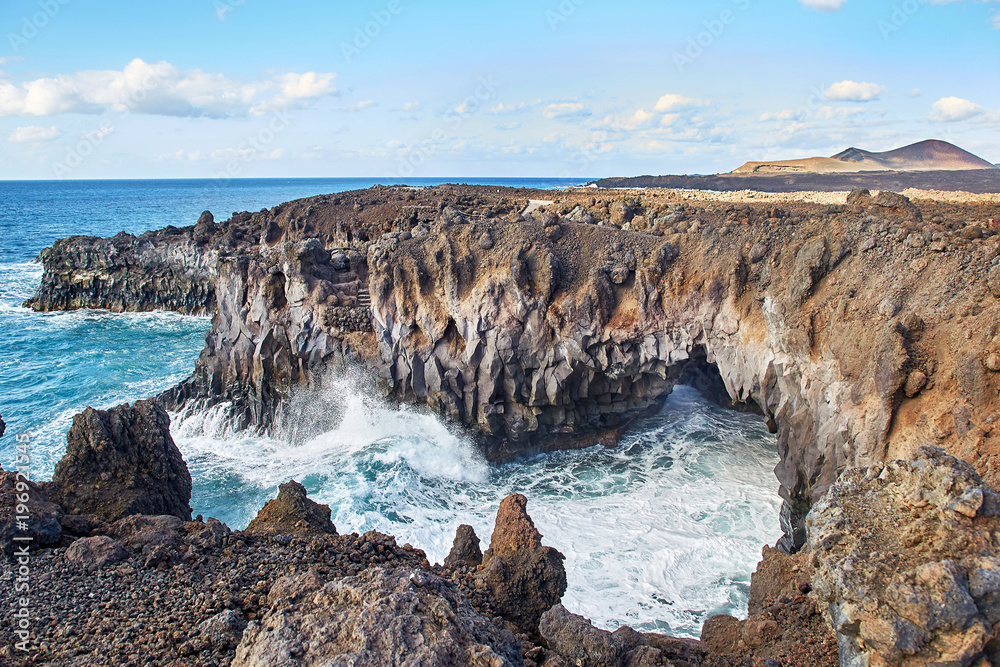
<point x="659" y="533"/>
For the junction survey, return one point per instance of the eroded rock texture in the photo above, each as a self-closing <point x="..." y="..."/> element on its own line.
<point x="25" y="512"/>
<point x="292" y="513"/>
<point x="524" y="577"/>
<point x="120" y="462"/>
<point x="465" y="551"/>
<point x="574" y="639"/>
<point x="284" y="314"/>
<point x="858" y="330"/>
<point x="393" y="617"/>
<point x="907" y="560"/>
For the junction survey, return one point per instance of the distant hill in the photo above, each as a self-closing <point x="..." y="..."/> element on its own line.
<point x="969" y="180"/>
<point x="930" y="155"/>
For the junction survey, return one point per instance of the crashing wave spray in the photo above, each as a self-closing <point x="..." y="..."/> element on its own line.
<point x="659" y="532"/>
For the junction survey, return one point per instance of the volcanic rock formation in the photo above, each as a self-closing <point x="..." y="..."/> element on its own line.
<point x="120" y="462"/>
<point x="465" y="551"/>
<point x="524" y="578"/>
<point x="906" y="557"/>
<point x="292" y="513"/>
<point x="377" y="617"/>
<point x="931" y="155"/>
<point x="859" y="331"/>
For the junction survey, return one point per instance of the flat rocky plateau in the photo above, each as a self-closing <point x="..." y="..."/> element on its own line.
<point x="864" y="331"/>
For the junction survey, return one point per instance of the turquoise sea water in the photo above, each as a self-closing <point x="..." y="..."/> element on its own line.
<point x="659" y="532"/>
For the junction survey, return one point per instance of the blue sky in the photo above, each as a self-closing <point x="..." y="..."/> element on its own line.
<point x="256" y="88"/>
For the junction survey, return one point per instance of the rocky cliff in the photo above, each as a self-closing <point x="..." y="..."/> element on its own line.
<point x="900" y="567"/>
<point x="857" y="330"/>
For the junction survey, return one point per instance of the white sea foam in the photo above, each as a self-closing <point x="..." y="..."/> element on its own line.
<point x="658" y="533"/>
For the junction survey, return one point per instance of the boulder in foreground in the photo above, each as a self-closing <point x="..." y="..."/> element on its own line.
<point x="121" y="462"/>
<point x="292" y="513"/>
<point x="905" y="558"/>
<point x="524" y="578"/>
<point x="379" y="617"/>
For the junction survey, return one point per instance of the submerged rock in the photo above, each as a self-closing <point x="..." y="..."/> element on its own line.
<point x="524" y="578"/>
<point x="121" y="462"/>
<point x="906" y="560"/>
<point x="379" y="617"/>
<point x="292" y="513"/>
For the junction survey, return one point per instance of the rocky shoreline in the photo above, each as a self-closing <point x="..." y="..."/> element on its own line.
<point x="861" y="332"/>
<point x="161" y="589"/>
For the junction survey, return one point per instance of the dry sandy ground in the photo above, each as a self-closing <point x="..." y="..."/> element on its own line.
<point x="812" y="197"/>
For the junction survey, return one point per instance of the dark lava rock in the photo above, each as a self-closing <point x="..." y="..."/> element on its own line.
<point x="3" y="426"/>
<point x="94" y="553"/>
<point x="379" y="617"/>
<point x="525" y="578"/>
<point x="292" y="513"/>
<point x="575" y="639"/>
<point x="465" y="550"/>
<point x="121" y="462"/>
<point x="21" y="498"/>
<point x="224" y="630"/>
<point x="82" y="525"/>
<point x="138" y="531"/>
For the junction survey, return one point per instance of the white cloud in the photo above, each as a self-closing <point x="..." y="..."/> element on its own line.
<point x="641" y="116"/>
<point x="34" y="134"/>
<point x="916" y="92"/>
<point x="222" y="10"/>
<point x="161" y="89"/>
<point x="852" y="91"/>
<point x="784" y="114"/>
<point x="246" y="154"/>
<point x="362" y="105"/>
<point x="412" y="107"/>
<point x="824" y="5"/>
<point x="954" y="108"/>
<point x="565" y="110"/>
<point x="503" y="109"/>
<point x="671" y="102"/>
<point x="828" y="112"/>
<point x="995" y="21"/>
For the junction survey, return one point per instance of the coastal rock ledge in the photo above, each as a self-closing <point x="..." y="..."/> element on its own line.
<point x="860" y="332"/>
<point x="901" y="567"/>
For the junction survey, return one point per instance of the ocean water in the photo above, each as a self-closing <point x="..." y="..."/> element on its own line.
<point x="659" y="532"/>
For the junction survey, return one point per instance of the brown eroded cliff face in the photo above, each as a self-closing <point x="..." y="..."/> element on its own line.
<point x="858" y="330"/>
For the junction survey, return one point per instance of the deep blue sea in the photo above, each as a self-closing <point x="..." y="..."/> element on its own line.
<point x="659" y="532"/>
